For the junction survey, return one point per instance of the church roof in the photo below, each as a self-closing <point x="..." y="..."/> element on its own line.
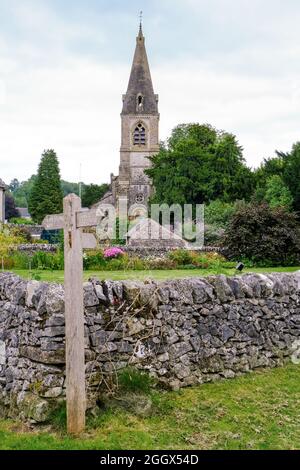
<point x="149" y="229"/>
<point x="140" y="82"/>
<point x="2" y="184"/>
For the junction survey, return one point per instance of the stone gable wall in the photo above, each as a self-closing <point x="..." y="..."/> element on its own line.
<point x="183" y="332"/>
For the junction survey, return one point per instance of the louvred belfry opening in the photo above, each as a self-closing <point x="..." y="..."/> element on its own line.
<point x="139" y="136"/>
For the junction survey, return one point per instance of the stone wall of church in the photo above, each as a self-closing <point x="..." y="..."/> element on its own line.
<point x="133" y="160"/>
<point x="152" y="129"/>
<point x="182" y="332"/>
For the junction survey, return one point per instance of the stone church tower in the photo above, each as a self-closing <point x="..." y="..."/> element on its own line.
<point x="139" y="132"/>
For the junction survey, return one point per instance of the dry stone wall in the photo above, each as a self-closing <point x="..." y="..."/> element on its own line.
<point x="182" y="332"/>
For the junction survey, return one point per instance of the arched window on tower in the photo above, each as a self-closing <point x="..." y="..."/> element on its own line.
<point x="139" y="135"/>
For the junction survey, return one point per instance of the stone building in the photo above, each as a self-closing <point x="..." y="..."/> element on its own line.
<point x="2" y="200"/>
<point x="139" y="133"/>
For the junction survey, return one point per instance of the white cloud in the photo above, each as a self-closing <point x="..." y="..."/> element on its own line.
<point x="73" y="109"/>
<point x="261" y="113"/>
<point x="52" y="96"/>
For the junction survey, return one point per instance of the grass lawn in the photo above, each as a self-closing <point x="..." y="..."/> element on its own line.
<point x="58" y="276"/>
<point x="260" y="410"/>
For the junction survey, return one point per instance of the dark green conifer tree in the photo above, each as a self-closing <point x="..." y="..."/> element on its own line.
<point x="46" y="196"/>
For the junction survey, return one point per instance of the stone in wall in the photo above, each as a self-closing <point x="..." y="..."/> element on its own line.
<point x="182" y="332"/>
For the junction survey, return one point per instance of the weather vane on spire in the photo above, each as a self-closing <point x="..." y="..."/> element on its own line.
<point x="141" y="19"/>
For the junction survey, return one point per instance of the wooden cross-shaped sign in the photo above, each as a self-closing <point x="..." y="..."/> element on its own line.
<point x="72" y="221"/>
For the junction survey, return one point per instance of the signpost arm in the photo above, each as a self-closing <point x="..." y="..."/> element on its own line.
<point x="74" y="317"/>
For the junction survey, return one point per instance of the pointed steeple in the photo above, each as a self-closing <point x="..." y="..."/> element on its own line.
<point x="140" y="97"/>
<point x="141" y="28"/>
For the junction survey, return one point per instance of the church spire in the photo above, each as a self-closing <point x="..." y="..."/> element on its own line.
<point x="140" y="97"/>
<point x="141" y="24"/>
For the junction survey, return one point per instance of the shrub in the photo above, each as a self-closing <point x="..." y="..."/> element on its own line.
<point x="208" y="260"/>
<point x="181" y="257"/>
<point x="39" y="260"/>
<point x="258" y="233"/>
<point x="133" y="262"/>
<point x="116" y="264"/>
<point x="21" y="221"/>
<point x="23" y="233"/>
<point x="213" y="235"/>
<point x="8" y="241"/>
<point x="113" y="252"/>
<point x="161" y="263"/>
<point x="94" y="260"/>
<point x="19" y="260"/>
<point x="43" y="260"/>
<point x="218" y="213"/>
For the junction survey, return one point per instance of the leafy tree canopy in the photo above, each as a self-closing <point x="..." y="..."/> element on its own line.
<point x="92" y="193"/>
<point x="277" y="194"/>
<point x="291" y="174"/>
<point x="219" y="213"/>
<point x="69" y="188"/>
<point x="199" y="164"/>
<point x="21" y="191"/>
<point x="287" y="167"/>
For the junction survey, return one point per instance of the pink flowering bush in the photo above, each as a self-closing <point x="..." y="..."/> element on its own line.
<point x="113" y="252"/>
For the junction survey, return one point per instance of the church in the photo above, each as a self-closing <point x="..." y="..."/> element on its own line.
<point x="139" y="134"/>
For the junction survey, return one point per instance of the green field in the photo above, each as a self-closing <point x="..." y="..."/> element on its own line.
<point x="260" y="410"/>
<point x="159" y="274"/>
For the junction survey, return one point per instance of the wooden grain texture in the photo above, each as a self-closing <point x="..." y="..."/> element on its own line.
<point x="87" y="218"/>
<point x="75" y="367"/>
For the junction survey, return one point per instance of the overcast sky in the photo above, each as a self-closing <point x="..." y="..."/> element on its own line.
<point x="65" y="64"/>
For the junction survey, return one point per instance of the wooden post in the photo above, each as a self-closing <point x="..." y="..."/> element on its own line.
<point x="72" y="221"/>
<point x="75" y="364"/>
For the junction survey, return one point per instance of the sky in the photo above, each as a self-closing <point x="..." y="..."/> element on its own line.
<point x="64" y="66"/>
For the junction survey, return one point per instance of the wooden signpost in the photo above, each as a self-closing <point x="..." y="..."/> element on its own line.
<point x="72" y="221"/>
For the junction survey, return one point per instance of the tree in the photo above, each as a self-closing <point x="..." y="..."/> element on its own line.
<point x="218" y="213"/>
<point x="277" y="194"/>
<point x="287" y="167"/>
<point x="22" y="191"/>
<point x="14" y="185"/>
<point x="269" y="167"/>
<point x="199" y="164"/>
<point x="263" y="234"/>
<point x="69" y="188"/>
<point x="10" y="207"/>
<point x="291" y="174"/>
<point x="92" y="193"/>
<point x="46" y="195"/>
